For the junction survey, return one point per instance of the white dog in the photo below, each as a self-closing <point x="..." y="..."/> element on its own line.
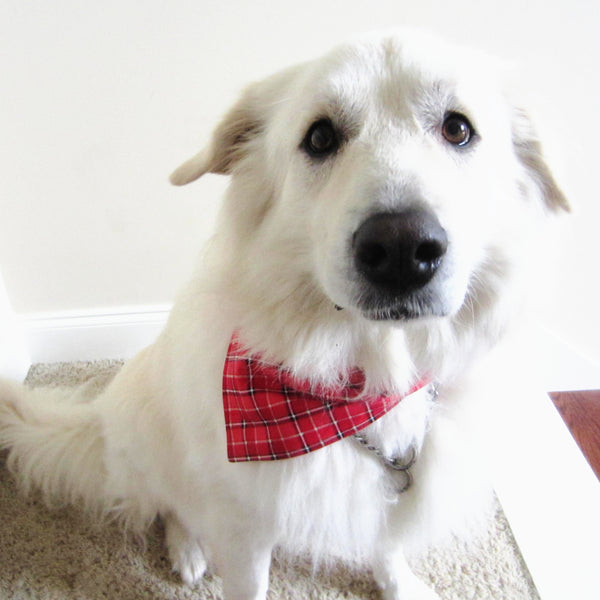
<point x="381" y="200"/>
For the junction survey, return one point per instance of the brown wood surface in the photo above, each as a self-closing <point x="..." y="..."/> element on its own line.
<point x="580" y="411"/>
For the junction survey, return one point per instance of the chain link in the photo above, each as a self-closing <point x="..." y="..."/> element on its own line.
<point x="397" y="463"/>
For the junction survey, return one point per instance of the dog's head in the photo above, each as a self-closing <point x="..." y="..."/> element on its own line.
<point x="394" y="178"/>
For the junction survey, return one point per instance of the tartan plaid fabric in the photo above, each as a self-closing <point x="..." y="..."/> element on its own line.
<point x="269" y="415"/>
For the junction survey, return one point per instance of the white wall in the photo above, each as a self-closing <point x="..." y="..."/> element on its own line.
<point x="14" y="358"/>
<point x="100" y="100"/>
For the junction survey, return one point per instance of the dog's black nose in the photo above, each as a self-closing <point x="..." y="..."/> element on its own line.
<point x="400" y="251"/>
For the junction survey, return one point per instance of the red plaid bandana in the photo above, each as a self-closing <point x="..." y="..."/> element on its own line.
<point x="269" y="415"/>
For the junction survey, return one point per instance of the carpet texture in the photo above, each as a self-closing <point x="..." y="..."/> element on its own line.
<point x="56" y="554"/>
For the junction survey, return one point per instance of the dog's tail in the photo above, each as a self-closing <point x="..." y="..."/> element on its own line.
<point x="55" y="444"/>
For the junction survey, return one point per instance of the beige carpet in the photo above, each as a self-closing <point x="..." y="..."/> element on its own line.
<point x="56" y="555"/>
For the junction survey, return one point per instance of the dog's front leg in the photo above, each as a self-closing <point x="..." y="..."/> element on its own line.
<point x="245" y="573"/>
<point x="185" y="552"/>
<point x="242" y="558"/>
<point x="397" y="581"/>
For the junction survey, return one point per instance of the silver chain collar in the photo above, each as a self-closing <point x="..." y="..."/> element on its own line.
<point x="398" y="464"/>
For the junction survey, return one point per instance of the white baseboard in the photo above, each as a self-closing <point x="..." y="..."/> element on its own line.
<point x="92" y="334"/>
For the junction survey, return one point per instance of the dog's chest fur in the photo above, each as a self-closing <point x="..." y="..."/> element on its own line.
<point x="335" y="501"/>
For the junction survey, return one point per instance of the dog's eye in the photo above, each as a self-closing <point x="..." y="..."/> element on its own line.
<point x="321" y="139"/>
<point x="457" y="130"/>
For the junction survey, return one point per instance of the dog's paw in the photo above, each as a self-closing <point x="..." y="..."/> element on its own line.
<point x="185" y="553"/>
<point x="190" y="564"/>
<point x="412" y="590"/>
<point x="397" y="582"/>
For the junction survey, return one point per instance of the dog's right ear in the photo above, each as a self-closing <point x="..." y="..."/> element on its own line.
<point x="242" y="124"/>
<point x="229" y="140"/>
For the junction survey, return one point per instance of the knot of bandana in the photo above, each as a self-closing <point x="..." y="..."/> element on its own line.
<point x="270" y="415"/>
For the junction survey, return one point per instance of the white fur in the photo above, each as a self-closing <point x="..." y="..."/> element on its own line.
<point x="154" y="441"/>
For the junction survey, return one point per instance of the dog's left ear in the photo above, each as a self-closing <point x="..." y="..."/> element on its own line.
<point x="529" y="151"/>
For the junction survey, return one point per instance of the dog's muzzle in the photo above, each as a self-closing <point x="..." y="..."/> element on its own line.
<point x="396" y="256"/>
